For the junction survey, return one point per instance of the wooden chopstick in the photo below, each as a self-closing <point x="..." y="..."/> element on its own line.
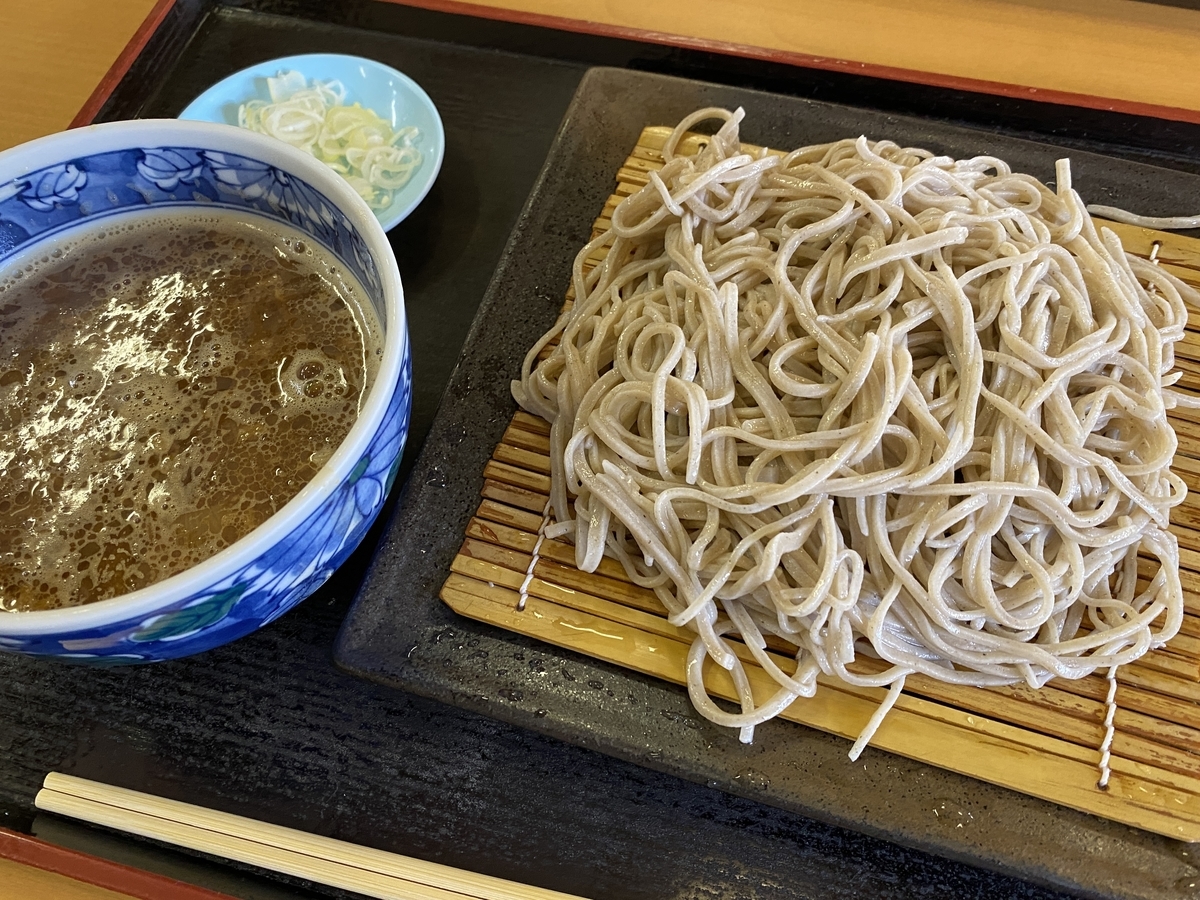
<point x="374" y="873"/>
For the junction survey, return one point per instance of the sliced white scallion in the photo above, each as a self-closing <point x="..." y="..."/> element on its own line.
<point x="353" y="141"/>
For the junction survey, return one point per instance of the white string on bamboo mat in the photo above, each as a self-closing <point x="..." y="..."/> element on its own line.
<point x="533" y="560"/>
<point x="1110" y="711"/>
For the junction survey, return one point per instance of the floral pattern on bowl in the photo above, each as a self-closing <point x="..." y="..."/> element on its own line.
<point x="40" y="204"/>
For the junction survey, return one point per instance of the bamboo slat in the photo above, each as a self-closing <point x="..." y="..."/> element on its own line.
<point x="1041" y="742"/>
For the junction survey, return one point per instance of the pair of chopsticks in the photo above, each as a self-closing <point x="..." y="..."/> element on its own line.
<point x="374" y="873"/>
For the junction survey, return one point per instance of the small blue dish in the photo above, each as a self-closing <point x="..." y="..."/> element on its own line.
<point x="392" y="95"/>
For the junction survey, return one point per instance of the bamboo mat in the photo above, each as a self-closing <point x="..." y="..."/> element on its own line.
<point x="1044" y="743"/>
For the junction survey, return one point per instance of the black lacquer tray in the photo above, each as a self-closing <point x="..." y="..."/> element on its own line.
<point x="269" y="727"/>
<point x="399" y="634"/>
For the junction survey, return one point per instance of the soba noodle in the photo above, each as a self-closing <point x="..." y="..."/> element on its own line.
<point x="873" y="401"/>
<point x="1159" y="223"/>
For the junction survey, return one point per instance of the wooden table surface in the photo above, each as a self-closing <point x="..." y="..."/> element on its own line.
<point x="57" y="50"/>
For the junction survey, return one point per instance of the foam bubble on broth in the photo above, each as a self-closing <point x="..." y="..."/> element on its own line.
<point x="167" y="383"/>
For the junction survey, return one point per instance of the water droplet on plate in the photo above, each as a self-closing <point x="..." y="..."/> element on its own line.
<point x="1190" y="886"/>
<point x="952" y="814"/>
<point x="752" y="779"/>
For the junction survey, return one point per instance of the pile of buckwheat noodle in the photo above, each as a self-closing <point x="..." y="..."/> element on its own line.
<point x="871" y="401"/>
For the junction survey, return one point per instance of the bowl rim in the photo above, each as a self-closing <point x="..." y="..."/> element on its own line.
<point x="93" y="140"/>
<point x="428" y="171"/>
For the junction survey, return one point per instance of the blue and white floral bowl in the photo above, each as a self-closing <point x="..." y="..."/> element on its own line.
<point x="56" y="183"/>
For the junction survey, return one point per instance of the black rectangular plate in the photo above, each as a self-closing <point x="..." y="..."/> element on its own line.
<point x="398" y="632"/>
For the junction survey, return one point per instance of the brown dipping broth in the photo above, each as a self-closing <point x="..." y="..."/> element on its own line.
<point x="167" y="383"/>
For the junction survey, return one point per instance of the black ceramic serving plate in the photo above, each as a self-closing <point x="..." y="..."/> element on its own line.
<point x="399" y="633"/>
<point x="269" y="727"/>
